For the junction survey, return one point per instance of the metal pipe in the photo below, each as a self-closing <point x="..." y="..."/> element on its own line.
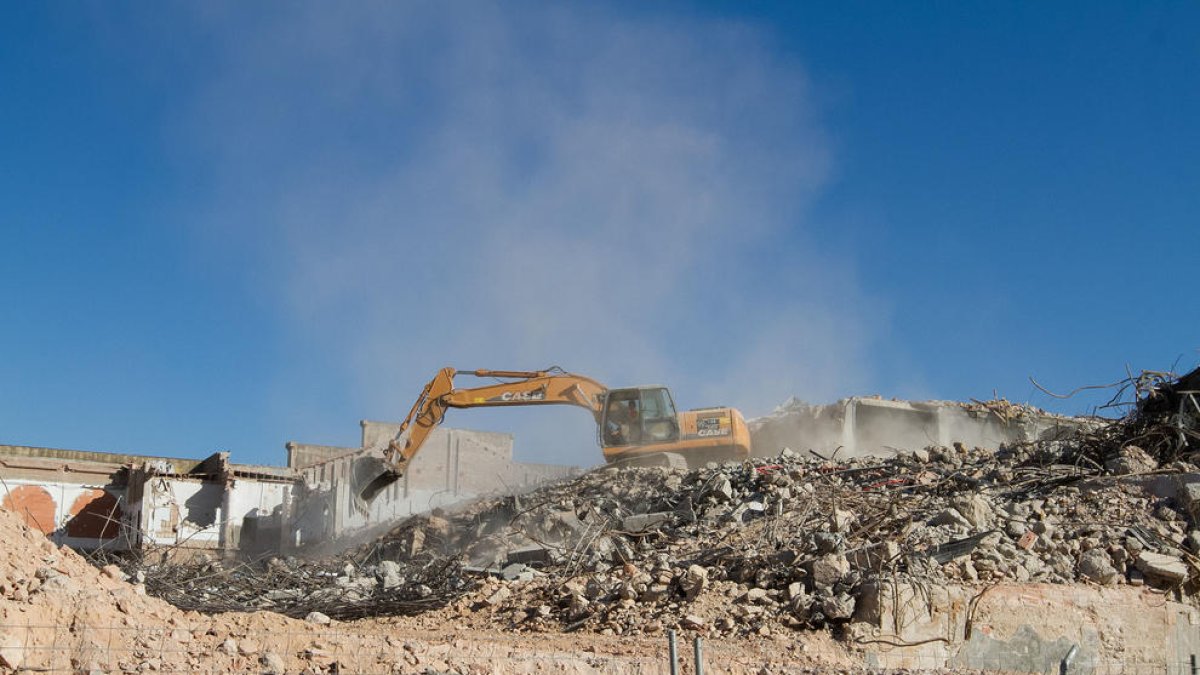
<point x="674" y="654"/>
<point x="1065" y="665"/>
<point x="699" y="651"/>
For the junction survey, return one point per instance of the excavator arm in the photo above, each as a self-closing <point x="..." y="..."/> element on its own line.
<point x="553" y="386"/>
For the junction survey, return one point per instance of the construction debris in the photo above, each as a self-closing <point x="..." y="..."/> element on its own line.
<point x="785" y="542"/>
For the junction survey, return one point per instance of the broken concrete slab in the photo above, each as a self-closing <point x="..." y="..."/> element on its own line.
<point x="1166" y="568"/>
<point x="645" y="522"/>
<point x="530" y="555"/>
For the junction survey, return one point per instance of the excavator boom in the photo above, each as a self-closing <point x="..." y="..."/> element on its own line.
<point x="552" y="386"/>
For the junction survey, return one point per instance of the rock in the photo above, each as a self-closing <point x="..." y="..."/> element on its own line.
<point x="655" y="593"/>
<point x="318" y="618"/>
<point x="389" y="574"/>
<point x="272" y="663"/>
<point x="828" y="570"/>
<point x="1097" y="566"/>
<point x="722" y="488"/>
<point x="644" y="522"/>
<point x="874" y="557"/>
<point x="975" y="509"/>
<point x="1129" y="460"/>
<point x="692" y="621"/>
<point x="1166" y="514"/>
<point x="114" y="572"/>
<point x="950" y="517"/>
<point x="693" y="581"/>
<point x="1192" y="541"/>
<point x="756" y="594"/>
<point x="518" y="572"/>
<point x="229" y="646"/>
<point x="839" y="607"/>
<point x="498" y="596"/>
<point x="842" y="519"/>
<point x="826" y="542"/>
<point x="1187" y="494"/>
<point x="529" y="554"/>
<point x="1166" y="568"/>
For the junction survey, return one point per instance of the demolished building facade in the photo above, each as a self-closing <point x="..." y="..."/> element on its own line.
<point x="93" y="500"/>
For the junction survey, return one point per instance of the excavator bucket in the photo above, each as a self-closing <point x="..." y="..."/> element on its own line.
<point x="371" y="476"/>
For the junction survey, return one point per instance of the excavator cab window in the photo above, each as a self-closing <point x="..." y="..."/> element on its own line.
<point x="622" y="418"/>
<point x="659" y="420"/>
<point x="639" y="416"/>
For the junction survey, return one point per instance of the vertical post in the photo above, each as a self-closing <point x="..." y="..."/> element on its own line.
<point x="699" y="652"/>
<point x="1193" y="662"/>
<point x="850" y="426"/>
<point x="673" y="653"/>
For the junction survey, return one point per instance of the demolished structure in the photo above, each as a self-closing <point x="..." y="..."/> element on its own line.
<point x="870" y="426"/>
<point x="102" y="501"/>
<point x="947" y="556"/>
<point x="1068" y="552"/>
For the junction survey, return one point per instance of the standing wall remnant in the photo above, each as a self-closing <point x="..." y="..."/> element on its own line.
<point x="863" y="426"/>
<point x="454" y="465"/>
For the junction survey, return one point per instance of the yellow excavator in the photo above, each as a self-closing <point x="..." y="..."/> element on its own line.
<point x="635" y="425"/>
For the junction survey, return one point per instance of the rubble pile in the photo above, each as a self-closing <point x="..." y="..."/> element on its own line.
<point x="332" y="588"/>
<point x="789" y="542"/>
<point x="60" y="614"/>
<point x="1164" y="422"/>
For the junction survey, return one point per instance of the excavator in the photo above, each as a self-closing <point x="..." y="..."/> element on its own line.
<point x="635" y="425"/>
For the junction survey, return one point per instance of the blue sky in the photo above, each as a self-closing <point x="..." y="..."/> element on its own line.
<point x="226" y="226"/>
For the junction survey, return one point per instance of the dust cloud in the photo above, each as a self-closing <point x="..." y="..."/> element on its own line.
<point x="508" y="187"/>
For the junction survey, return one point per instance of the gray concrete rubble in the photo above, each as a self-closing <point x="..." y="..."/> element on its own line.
<point x="920" y="549"/>
<point x="659" y="538"/>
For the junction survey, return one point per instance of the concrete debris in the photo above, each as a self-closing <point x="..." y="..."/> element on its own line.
<point x="782" y="542"/>
<point x="1131" y="459"/>
<point x="272" y="663"/>
<point x="389" y="575"/>
<point x="498" y="596"/>
<point x="1170" y="569"/>
<point x="518" y="572"/>
<point x="828" y="570"/>
<point x="614" y="550"/>
<point x="318" y="618"/>
<point x="644" y="522"/>
<point x="530" y="555"/>
<point x="1097" y="566"/>
<point x="693" y="581"/>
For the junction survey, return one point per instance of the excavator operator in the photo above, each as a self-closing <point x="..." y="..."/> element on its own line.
<point x="624" y="424"/>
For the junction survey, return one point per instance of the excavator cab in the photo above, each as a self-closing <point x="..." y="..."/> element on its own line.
<point x="638" y="416"/>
